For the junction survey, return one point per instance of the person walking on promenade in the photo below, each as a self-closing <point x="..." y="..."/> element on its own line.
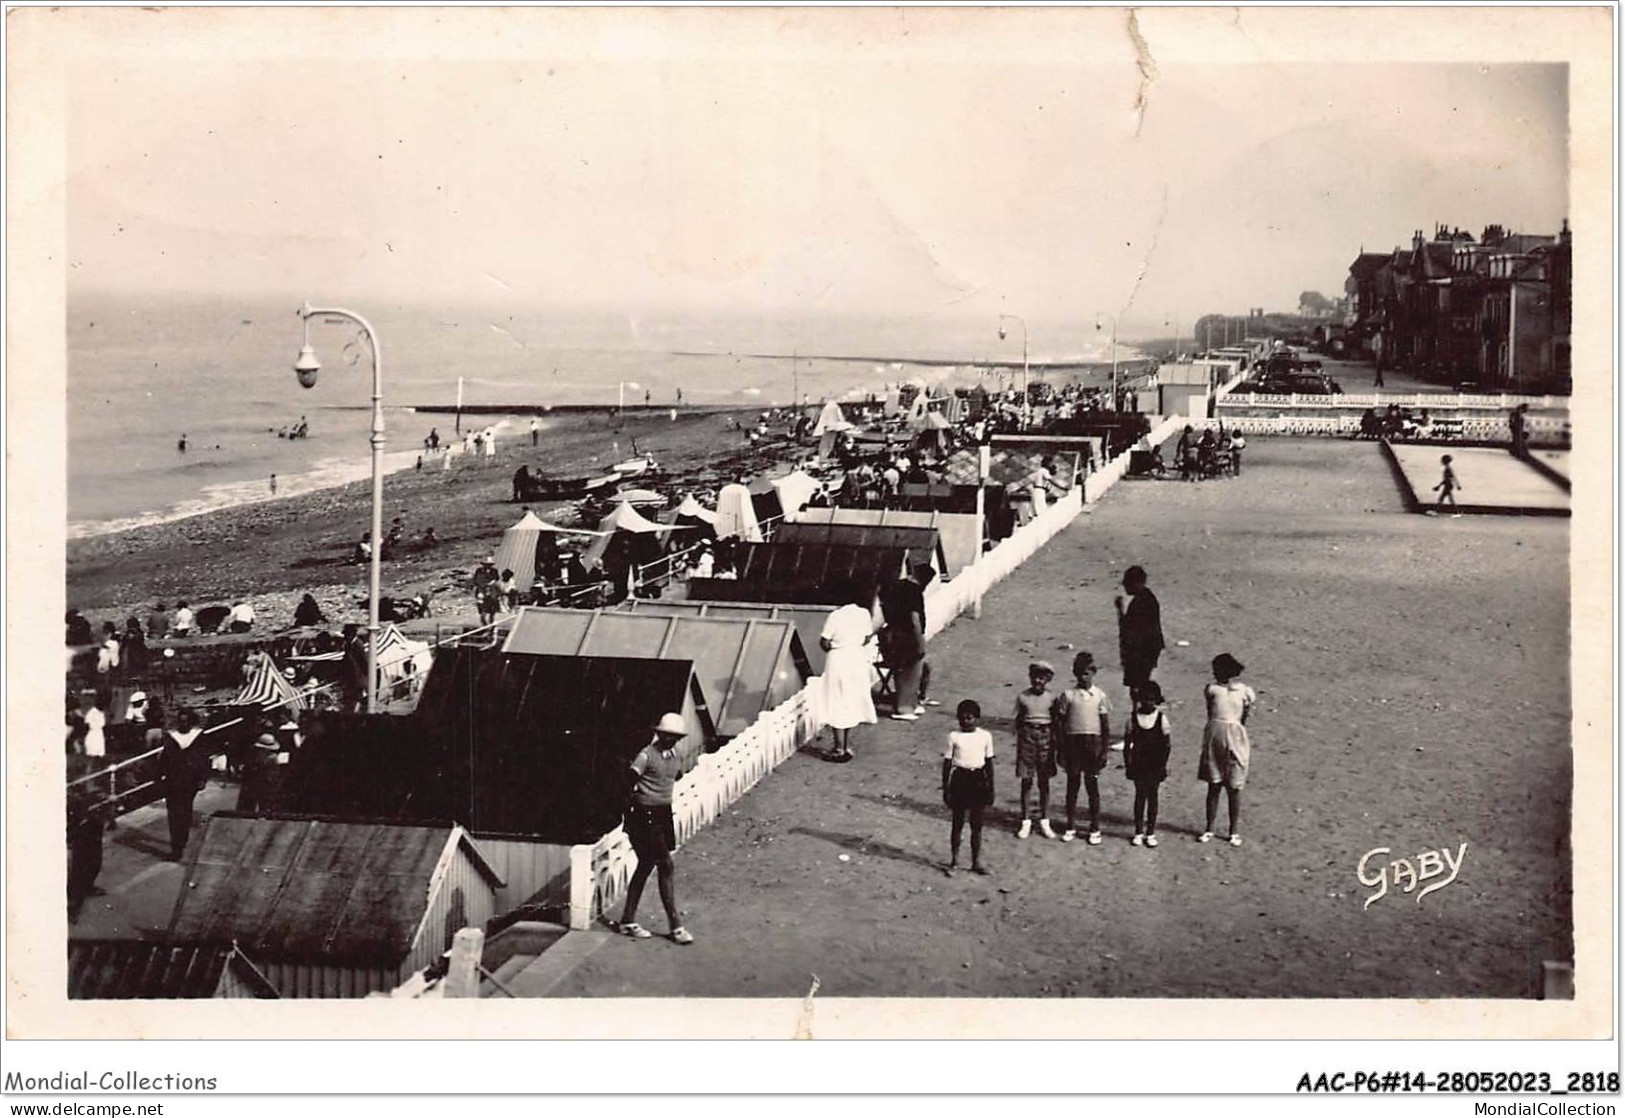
<point x="182" y="764"/>
<point x="650" y="827"/>
<point x="848" y="638"/>
<point x="1185" y="452"/>
<point x="1035" y="747"/>
<point x="1146" y="744"/>
<point x="1226" y="748"/>
<point x="487" y="590"/>
<point x="1081" y="715"/>
<point x="967" y="783"/>
<point x="1446" y="489"/>
<point x="535" y="431"/>
<point x="902" y="604"/>
<point x="1139" y="629"/>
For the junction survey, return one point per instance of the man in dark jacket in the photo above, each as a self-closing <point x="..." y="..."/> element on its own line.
<point x="902" y="603"/>
<point x="183" y="762"/>
<point x="1139" y="630"/>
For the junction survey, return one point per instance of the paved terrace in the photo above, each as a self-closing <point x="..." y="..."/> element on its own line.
<point x="1414" y="695"/>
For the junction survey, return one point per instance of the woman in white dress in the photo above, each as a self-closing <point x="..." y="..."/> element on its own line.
<point x="849" y="640"/>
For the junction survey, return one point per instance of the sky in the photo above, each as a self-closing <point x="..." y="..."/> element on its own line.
<point x="973" y="171"/>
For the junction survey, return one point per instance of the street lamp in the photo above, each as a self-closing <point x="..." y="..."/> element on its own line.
<point x="620" y="402"/>
<point x="1026" y="402"/>
<point x="306" y="367"/>
<point x="1114" y="357"/>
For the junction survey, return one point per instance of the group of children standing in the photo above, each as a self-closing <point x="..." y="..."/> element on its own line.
<point x="1070" y="731"/>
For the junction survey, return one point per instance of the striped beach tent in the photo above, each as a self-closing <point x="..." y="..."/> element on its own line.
<point x="403" y="665"/>
<point x="267" y="687"/>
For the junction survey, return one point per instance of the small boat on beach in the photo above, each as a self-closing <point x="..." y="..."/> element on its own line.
<point x="531" y="486"/>
<point x="635" y="467"/>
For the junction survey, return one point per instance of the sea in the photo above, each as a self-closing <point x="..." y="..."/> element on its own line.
<point x="145" y="371"/>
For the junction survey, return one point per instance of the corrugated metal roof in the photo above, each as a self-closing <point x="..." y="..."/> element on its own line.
<point x="126" y="969"/>
<point x="745" y="665"/>
<point x="310" y="890"/>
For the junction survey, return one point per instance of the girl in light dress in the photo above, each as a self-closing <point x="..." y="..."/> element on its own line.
<point x="1226" y="748"/>
<point x="848" y="638"/>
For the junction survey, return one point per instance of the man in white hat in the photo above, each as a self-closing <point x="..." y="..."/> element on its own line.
<point x="649" y="825"/>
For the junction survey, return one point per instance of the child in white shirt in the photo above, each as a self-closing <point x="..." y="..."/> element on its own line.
<point x="967" y="783"/>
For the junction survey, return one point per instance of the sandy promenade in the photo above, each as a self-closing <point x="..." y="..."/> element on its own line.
<point x="1414" y="695"/>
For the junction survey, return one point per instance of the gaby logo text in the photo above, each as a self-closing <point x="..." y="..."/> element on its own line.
<point x="1376" y="871"/>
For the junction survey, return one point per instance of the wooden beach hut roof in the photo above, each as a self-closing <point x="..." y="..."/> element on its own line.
<point x="745" y="665"/>
<point x="776" y="572"/>
<point x="505" y="744"/>
<point x="106" y="970"/>
<point x="317" y="891"/>
<point x="959" y="532"/>
<point x="923" y="543"/>
<point x="808" y="619"/>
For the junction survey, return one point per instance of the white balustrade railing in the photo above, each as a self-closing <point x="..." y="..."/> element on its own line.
<point x="1431" y="400"/>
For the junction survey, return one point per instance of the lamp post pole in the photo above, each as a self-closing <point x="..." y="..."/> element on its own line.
<point x="1026" y="402"/>
<point x="307" y="364"/>
<point x="1114" y="356"/>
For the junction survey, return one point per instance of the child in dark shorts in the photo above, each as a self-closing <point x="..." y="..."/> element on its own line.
<point x="1145" y="759"/>
<point x="1083" y="735"/>
<point x="1035" y="747"/>
<point x="967" y="783"/>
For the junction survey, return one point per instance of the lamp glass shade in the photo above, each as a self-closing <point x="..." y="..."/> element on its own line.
<point x="307" y="362"/>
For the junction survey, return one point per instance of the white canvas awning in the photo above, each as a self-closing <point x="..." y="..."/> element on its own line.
<point x="692" y="508"/>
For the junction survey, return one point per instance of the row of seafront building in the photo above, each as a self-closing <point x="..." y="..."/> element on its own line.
<point x="1493" y="311"/>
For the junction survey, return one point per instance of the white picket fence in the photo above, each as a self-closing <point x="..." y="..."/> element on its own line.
<point x="599" y="871"/>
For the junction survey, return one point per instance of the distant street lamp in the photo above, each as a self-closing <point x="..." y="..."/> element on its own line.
<point x="306" y="367"/>
<point x="1026" y="403"/>
<point x="1114" y="356"/>
<point x="624" y="385"/>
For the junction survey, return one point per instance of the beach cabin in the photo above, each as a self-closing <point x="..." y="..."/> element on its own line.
<point x="808" y="619"/>
<point x="803" y="573"/>
<point x="502" y="743"/>
<point x="923" y="543"/>
<point x="745" y="665"/>
<point x="331" y="909"/>
<point x="957" y="532"/>
<point x="108" y="970"/>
